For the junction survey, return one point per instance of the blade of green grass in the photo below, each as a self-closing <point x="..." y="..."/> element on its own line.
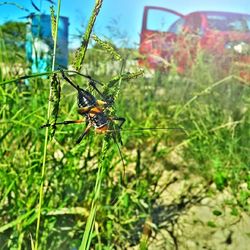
<point x="43" y="170"/>
<point x="87" y="236"/>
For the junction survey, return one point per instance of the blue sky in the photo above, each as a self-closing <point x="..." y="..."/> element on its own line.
<point x="124" y="16"/>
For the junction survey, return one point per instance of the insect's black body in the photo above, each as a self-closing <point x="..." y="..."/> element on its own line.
<point x="90" y="107"/>
<point x="98" y="118"/>
<point x="85" y="99"/>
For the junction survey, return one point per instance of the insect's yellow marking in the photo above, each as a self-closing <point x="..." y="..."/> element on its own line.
<point x="78" y="121"/>
<point x="83" y="110"/>
<point x="100" y="103"/>
<point x="102" y="129"/>
<point x="95" y="110"/>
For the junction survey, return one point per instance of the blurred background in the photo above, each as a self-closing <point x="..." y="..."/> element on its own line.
<point x="123" y="16"/>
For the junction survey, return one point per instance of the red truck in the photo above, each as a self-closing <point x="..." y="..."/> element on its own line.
<point x="168" y="36"/>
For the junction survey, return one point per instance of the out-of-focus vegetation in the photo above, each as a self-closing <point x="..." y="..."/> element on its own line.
<point x="13" y="39"/>
<point x="167" y="171"/>
<point x="12" y="49"/>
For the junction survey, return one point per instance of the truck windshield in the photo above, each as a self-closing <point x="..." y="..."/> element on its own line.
<point x="160" y="20"/>
<point x="227" y="22"/>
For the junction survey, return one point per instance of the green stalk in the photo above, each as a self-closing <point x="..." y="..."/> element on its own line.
<point x="36" y="75"/>
<point x="46" y="133"/>
<point x="28" y="77"/>
<point x="79" y="57"/>
<point x="87" y="236"/>
<point x="80" y="53"/>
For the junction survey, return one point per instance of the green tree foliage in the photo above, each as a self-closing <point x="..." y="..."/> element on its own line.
<point x="13" y="34"/>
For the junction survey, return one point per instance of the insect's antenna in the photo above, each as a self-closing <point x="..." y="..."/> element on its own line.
<point x="86" y="76"/>
<point x="143" y="129"/>
<point x="69" y="81"/>
<point x="120" y="153"/>
<point x="92" y="82"/>
<point x="62" y="123"/>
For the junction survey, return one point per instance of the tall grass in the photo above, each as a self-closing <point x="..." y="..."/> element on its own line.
<point x="41" y="193"/>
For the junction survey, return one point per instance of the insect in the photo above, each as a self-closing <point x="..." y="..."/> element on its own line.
<point x="97" y="115"/>
<point x="92" y="109"/>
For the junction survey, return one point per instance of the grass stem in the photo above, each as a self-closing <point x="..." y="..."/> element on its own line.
<point x="80" y="53"/>
<point x="87" y="236"/>
<point x="46" y="134"/>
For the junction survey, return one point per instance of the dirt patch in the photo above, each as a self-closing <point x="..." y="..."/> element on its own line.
<point x="190" y="215"/>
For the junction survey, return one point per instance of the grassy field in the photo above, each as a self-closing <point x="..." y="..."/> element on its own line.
<point x="184" y="188"/>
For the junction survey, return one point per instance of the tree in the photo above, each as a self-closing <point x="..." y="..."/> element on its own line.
<point x="12" y="36"/>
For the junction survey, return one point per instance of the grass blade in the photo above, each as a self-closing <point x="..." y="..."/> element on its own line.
<point x="87" y="236"/>
<point x="43" y="170"/>
<point x="107" y="47"/>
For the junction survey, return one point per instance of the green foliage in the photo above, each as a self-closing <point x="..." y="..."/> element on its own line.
<point x="12" y="45"/>
<point x="216" y="148"/>
<point x="211" y="224"/>
<point x="217" y="212"/>
<point x="107" y="47"/>
<point x="14" y="34"/>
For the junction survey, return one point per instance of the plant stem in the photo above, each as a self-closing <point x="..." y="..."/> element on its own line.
<point x="46" y="134"/>
<point x="87" y="236"/>
<point x="35" y="76"/>
<point x="80" y="53"/>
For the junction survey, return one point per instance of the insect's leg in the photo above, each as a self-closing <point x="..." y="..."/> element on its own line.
<point x="83" y="134"/>
<point x="120" y="119"/>
<point x="93" y="85"/>
<point x="107" y="100"/>
<point x="117" y="137"/>
<point x="63" y="123"/>
<point x="116" y="131"/>
<point x="69" y="81"/>
<point x="101" y="103"/>
<point x="121" y="155"/>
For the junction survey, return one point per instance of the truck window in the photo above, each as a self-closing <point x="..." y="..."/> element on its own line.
<point x="177" y="27"/>
<point x="194" y="24"/>
<point x="227" y="22"/>
<point x="159" y="20"/>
